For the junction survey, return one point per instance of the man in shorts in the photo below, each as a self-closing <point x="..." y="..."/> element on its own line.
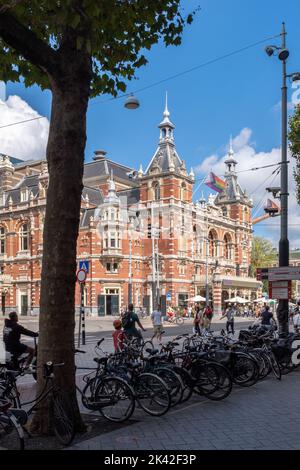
<point x="156" y="318"/>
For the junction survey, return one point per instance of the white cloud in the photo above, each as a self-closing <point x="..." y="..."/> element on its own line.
<point x="255" y="183"/>
<point x="277" y="107"/>
<point x="25" y="141"/>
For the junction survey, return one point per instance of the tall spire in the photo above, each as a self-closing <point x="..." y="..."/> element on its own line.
<point x="230" y="160"/>
<point x="112" y="195"/>
<point x="231" y="152"/>
<point x="166" y="126"/>
<point x="166" y="158"/>
<point x="166" y="111"/>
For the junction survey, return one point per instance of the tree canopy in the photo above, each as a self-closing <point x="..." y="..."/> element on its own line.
<point x="263" y="254"/>
<point x="114" y="33"/>
<point x="294" y="137"/>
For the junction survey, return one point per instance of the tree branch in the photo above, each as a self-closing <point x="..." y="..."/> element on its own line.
<point x="9" y="6"/>
<point x="25" y="42"/>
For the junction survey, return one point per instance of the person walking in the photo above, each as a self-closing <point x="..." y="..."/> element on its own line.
<point x="207" y="317"/>
<point x="266" y="316"/>
<point x="197" y="320"/>
<point x="230" y="313"/>
<point x="157" y="321"/>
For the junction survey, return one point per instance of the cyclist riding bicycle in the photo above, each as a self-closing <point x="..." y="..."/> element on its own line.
<point x="129" y="319"/>
<point x="12" y="332"/>
<point x="170" y="313"/>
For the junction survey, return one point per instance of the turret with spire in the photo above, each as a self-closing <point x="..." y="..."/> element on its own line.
<point x="112" y="195"/>
<point x="166" y="158"/>
<point x="233" y="193"/>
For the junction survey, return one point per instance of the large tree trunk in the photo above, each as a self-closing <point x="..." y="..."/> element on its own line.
<point x="65" y="155"/>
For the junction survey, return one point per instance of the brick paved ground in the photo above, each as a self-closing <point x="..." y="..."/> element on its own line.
<point x="265" y="416"/>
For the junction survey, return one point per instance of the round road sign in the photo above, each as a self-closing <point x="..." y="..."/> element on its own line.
<point x="81" y="275"/>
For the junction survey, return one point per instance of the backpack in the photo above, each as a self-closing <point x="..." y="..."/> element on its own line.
<point x="127" y="320"/>
<point x="208" y="313"/>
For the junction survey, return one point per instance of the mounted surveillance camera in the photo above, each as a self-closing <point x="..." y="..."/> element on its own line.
<point x="275" y="190"/>
<point x="269" y="50"/>
<point x="283" y="54"/>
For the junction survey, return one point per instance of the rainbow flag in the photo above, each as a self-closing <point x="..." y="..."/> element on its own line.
<point x="215" y="183"/>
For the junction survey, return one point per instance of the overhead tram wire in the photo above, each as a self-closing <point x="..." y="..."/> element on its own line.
<point x="192" y="69"/>
<point x="258" y="206"/>
<point x="171" y="77"/>
<point x="252" y="169"/>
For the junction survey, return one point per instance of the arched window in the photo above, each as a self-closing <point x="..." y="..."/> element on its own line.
<point x="156" y="191"/>
<point x="2" y="240"/>
<point x="24" y="237"/>
<point x="227" y="246"/>
<point x="212" y="240"/>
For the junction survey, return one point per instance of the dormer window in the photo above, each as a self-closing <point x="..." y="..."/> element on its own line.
<point x="24" y="195"/>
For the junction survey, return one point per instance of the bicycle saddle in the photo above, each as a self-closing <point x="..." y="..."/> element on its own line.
<point x="101" y="360"/>
<point x="152" y="351"/>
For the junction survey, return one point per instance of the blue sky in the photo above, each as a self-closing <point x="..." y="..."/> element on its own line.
<point x="207" y="105"/>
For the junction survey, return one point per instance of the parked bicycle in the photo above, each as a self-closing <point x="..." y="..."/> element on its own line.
<point x="61" y="408"/>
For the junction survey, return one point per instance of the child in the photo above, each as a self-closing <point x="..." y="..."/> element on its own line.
<point x="118" y="336"/>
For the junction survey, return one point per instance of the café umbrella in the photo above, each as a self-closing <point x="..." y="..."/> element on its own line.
<point x="237" y="300"/>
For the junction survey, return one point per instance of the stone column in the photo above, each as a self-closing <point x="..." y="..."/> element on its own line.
<point x="217" y="296"/>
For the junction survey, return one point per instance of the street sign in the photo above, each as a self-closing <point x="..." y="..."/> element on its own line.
<point x="169" y="296"/>
<point x="281" y="290"/>
<point x="288" y="273"/>
<point x="262" y="274"/>
<point x="85" y="265"/>
<point x="284" y="273"/>
<point x="81" y="275"/>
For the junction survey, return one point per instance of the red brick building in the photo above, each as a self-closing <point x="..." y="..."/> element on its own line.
<point x="140" y="231"/>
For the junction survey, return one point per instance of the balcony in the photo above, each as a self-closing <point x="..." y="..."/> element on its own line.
<point x="111" y="252"/>
<point x="150" y="278"/>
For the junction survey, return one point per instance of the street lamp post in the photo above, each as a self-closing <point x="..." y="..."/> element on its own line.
<point x="130" y="296"/>
<point x="154" y="292"/>
<point x="283" y="54"/>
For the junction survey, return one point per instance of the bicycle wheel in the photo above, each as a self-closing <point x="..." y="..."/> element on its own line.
<point x="11" y="432"/>
<point x="152" y="394"/>
<point x="179" y="320"/>
<point x="63" y="417"/>
<point x="212" y="380"/>
<point x="187" y="381"/>
<point x="262" y="363"/>
<point x="274" y="365"/>
<point x="114" y="399"/>
<point x="173" y="382"/>
<point x="244" y="370"/>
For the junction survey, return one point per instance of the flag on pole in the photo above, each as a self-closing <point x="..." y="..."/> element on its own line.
<point x="215" y="183"/>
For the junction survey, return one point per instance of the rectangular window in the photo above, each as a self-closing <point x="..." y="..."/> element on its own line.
<point x="112" y="267"/>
